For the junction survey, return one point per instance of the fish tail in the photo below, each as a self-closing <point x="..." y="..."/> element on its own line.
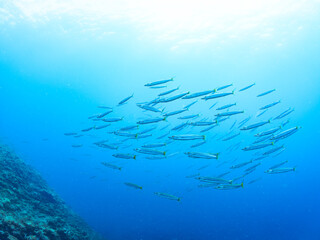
<point x="242" y="184"/>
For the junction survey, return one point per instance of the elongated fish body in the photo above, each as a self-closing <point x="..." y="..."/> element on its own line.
<point x="213" y="105"/>
<point x="100" y="142"/>
<point x="132" y="185"/>
<point x="214" y="180"/>
<point x="154" y="145"/>
<point x="104" y="107"/>
<point x="217" y="95"/>
<point x="174" y="112"/>
<point x="231" y="137"/>
<point x="163" y="128"/>
<point x="252" y="167"/>
<point x="285" y="133"/>
<point x="280" y="170"/>
<point x="239" y="165"/>
<point x="155" y="157"/>
<point x="87" y="129"/>
<point x="109" y="165"/>
<point x="263" y="112"/>
<point x="208" y="128"/>
<point x="198" y="94"/>
<point x="203" y="167"/>
<point x="150" y="151"/>
<point x="168" y="92"/>
<point x="151" y="120"/>
<point x="77" y="136"/>
<point x="229" y="186"/>
<point x="256" y="125"/>
<point x="139" y="135"/>
<point x="226" y="106"/>
<point x="148" y="108"/>
<point x="70" y="134"/>
<point x="259" y="158"/>
<point x="284" y="114"/>
<point x="243" y="122"/>
<point x="268" y="132"/>
<point x="226" y="114"/>
<point x="222" y="119"/>
<point x="164" y="135"/>
<point x="202" y="123"/>
<point x="115" y="119"/>
<point x="249" y="172"/>
<point x="223" y="174"/>
<point x="285" y="123"/>
<point x="273" y="150"/>
<point x="124" y="155"/>
<point x="189" y="105"/>
<point x="265" y="93"/>
<point x="77" y="145"/>
<point x="93" y="116"/>
<point x="254" y="180"/>
<point x="257" y="146"/>
<point x="279" y="152"/>
<point x="245" y="88"/>
<point x="234" y="123"/>
<point x="147" y="130"/>
<point x="158" y="82"/>
<point x="188" y="137"/>
<point x="180" y="126"/>
<point x="102" y="126"/>
<point x="278" y="164"/>
<point x="205" y="185"/>
<point x="270" y="105"/>
<point x="262" y="139"/>
<point x="170" y="99"/>
<point x="224" y="87"/>
<point x="202" y="155"/>
<point x="198" y="144"/>
<point x="109" y="146"/>
<point x="157" y="87"/>
<point x="193" y="175"/>
<point x="125" y="134"/>
<point x="104" y="114"/>
<point x="189" y="116"/>
<point x="168" y="196"/>
<point x="128" y="128"/>
<point x="125" y="100"/>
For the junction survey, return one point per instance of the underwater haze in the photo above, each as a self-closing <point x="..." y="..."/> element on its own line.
<point x="153" y="167"/>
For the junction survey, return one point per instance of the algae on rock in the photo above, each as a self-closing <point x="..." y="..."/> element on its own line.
<point x="29" y="209"/>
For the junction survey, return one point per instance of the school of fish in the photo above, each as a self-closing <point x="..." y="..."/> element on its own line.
<point x="173" y="126"/>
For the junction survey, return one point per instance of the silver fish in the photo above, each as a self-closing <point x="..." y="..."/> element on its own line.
<point x="265" y="93"/>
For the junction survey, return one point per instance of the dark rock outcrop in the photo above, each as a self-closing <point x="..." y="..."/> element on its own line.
<point x="29" y="209"/>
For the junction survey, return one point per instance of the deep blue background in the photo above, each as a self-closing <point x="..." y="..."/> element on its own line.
<point x="51" y="82"/>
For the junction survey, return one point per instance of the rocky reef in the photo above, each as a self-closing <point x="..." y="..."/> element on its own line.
<point x="29" y="209"/>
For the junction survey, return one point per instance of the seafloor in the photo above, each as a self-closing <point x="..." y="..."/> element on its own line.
<point x="29" y="209"/>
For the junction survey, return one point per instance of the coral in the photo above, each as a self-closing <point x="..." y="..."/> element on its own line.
<point x="30" y="210"/>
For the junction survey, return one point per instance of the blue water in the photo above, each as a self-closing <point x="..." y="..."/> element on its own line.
<point x="59" y="61"/>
